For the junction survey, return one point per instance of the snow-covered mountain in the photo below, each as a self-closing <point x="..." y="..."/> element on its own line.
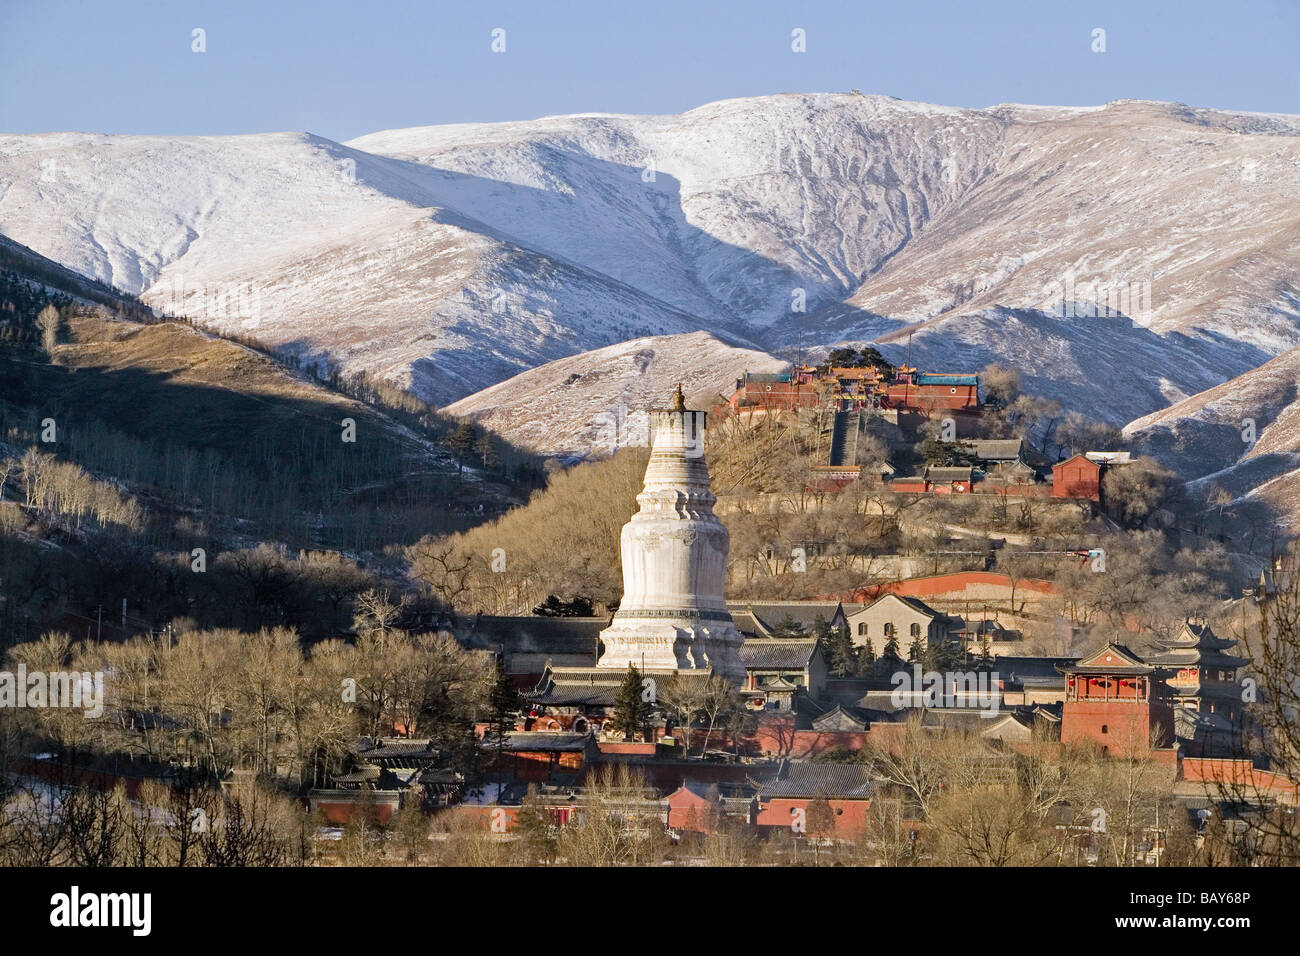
<point x="1125" y="257"/>
<point x="598" y="400"/>
<point x="1242" y="436"/>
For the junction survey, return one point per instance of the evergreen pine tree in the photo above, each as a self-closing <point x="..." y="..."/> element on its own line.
<point x="631" y="709"/>
<point x="841" y="655"/>
<point x="788" y="627"/>
<point x="917" y="651"/>
<point x="460" y="442"/>
<point x="890" y="656"/>
<point x="866" y="659"/>
<point x="504" y="703"/>
<point x="948" y="656"/>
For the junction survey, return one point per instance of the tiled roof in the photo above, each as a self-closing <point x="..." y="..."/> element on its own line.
<point x="576" y="695"/>
<point x="538" y="741"/>
<point x="714" y="789"/>
<point x="953" y="718"/>
<point x="591" y="686"/>
<point x="772" y="614"/>
<point x="532" y="635"/>
<point x="942" y="473"/>
<point x="361" y="774"/>
<point x="1125" y="662"/>
<point x="914" y="603"/>
<point x="1033" y="671"/>
<point x="779" y="684"/>
<point x="995" y="449"/>
<point x="831" y="780"/>
<point x="1196" y="644"/>
<point x="748" y="623"/>
<point x="879" y="701"/>
<point x="440" y="776"/>
<point x="373" y="748"/>
<point x="838" y="719"/>
<point x="777" y="653"/>
<point x="947" y="378"/>
<point x="1193" y="656"/>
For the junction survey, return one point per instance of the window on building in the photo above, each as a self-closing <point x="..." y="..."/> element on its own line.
<point x="1105" y="729"/>
<point x="889" y="629"/>
<point x="862" y="629"/>
<point x="916" y="630"/>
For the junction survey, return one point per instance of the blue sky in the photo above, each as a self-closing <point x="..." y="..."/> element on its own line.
<point x="341" y="69"/>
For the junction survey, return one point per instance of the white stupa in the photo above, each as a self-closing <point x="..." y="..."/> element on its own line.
<point x="673" y="615"/>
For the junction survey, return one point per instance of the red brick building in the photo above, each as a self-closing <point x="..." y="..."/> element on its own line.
<point x="540" y="756"/>
<point x="699" y="806"/>
<point x="932" y="393"/>
<point x="785" y="796"/>
<point x="1077" y="477"/>
<point x="772" y="390"/>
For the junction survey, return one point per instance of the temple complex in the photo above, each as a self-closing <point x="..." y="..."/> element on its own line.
<point x="1117" y="700"/>
<point x="1201" y="677"/>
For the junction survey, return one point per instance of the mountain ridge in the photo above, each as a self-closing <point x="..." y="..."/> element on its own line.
<point x="1125" y="257"/>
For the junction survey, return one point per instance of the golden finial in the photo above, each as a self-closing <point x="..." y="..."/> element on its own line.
<point x="679" y="400"/>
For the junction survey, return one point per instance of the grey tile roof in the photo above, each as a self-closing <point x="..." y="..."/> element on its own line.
<point x="831" y="780"/>
<point x="390" y="748"/>
<point x="748" y="623"/>
<point x="839" y="719"/>
<point x="539" y="741"/>
<point x="995" y="449"/>
<point x="1138" y="667"/>
<point x="576" y="695"/>
<point x="1196" y="644"/>
<point x="880" y="701"/>
<point x="362" y="774"/>
<point x="713" y="789"/>
<point x="945" y="473"/>
<point x="915" y="603"/>
<point x="777" y="653"/>
<point x="1033" y="671"/>
<point x="591" y="686"/>
<point x="968" y="719"/>
<point x="773" y="613"/>
<point x="532" y="635"/>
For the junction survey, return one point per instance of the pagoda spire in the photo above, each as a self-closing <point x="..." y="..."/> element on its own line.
<point x="673" y="615"/>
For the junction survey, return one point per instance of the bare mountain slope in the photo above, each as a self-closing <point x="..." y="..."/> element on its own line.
<point x="1242" y="436"/>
